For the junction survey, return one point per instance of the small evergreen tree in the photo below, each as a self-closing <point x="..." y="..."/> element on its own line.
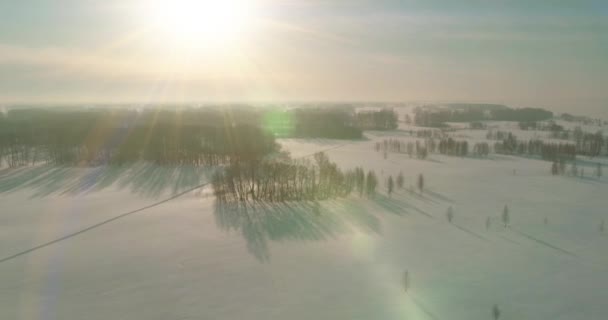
<point x="406" y="280"/>
<point x="562" y="166"/>
<point x="421" y="182"/>
<point x="371" y="183"/>
<point x="495" y="312"/>
<point x="598" y="170"/>
<point x="554" y="168"/>
<point x="574" y="169"/>
<point x="450" y="214"/>
<point x="505" y="216"/>
<point x="390" y="186"/>
<point x="488" y="223"/>
<point x="410" y="149"/>
<point x="400" y="180"/>
<point x="602" y="226"/>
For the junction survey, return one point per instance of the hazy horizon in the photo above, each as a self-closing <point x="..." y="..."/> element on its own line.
<point x="547" y="54"/>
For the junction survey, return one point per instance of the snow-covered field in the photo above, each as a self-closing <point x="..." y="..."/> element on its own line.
<point x="190" y="259"/>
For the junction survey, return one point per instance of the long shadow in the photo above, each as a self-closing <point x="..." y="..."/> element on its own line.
<point x="402" y="198"/>
<point x="544" y="243"/>
<point x="589" y="179"/>
<point x="260" y="222"/>
<point x="423" y="308"/>
<point x="474" y="234"/>
<point x="97" y="225"/>
<point x="509" y="240"/>
<point x="144" y="179"/>
<point x="412" y="158"/>
<point x="389" y="205"/>
<point x="438" y="195"/>
<point x="398" y="205"/>
<point x="419" y="196"/>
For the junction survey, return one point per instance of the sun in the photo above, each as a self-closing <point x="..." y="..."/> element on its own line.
<point x="199" y="23"/>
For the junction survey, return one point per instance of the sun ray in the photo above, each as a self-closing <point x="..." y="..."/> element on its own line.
<point x="199" y="23"/>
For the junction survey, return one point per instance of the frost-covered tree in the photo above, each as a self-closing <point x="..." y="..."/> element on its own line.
<point x="505" y="216"/>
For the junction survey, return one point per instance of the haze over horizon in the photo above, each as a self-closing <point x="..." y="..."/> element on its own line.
<point x="549" y="54"/>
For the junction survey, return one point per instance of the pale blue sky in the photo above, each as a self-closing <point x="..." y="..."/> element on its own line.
<point x="544" y="53"/>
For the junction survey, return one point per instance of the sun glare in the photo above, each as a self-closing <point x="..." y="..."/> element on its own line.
<point x="200" y="23"/>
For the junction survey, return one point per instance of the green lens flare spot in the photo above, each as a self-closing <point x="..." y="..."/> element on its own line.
<point x="280" y="123"/>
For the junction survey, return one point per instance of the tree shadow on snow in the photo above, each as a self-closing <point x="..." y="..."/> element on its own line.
<point x="261" y="222"/>
<point x="144" y="179"/>
<point x="398" y="205"/>
<point x="439" y="196"/>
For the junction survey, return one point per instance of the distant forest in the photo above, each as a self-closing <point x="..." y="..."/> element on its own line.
<point x="341" y="123"/>
<point x="170" y="136"/>
<point x="432" y="117"/>
<point x="112" y="136"/>
<point x="330" y="123"/>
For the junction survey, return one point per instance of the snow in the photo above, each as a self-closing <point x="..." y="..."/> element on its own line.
<point x="189" y="259"/>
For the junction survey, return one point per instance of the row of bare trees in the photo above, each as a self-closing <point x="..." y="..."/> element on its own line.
<point x="290" y="180"/>
<point x="546" y="150"/>
<point x="445" y="146"/>
<point x="416" y="148"/>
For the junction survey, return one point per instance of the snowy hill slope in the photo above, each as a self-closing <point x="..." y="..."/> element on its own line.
<point x="189" y="258"/>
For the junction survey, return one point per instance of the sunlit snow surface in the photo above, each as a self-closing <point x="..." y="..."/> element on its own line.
<point x="190" y="258"/>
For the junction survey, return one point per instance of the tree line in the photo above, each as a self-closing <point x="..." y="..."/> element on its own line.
<point x="340" y="123"/>
<point x="384" y="119"/>
<point x="421" y="150"/>
<point x="429" y="117"/>
<point x="103" y="136"/>
<point x="589" y="144"/>
<point x="416" y="148"/>
<point x="286" y="179"/>
<point x="332" y="123"/>
<point x="546" y="150"/>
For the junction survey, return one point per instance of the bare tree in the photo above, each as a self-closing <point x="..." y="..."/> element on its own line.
<point x="421" y="183"/>
<point x="450" y="214"/>
<point x="495" y="312"/>
<point x="400" y="180"/>
<point x="505" y="216"/>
